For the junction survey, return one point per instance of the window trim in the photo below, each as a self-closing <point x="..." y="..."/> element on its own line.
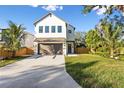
<point x="48" y="29"/>
<point x="58" y="29"/>
<point x="52" y="29"/>
<point x="39" y="29"/>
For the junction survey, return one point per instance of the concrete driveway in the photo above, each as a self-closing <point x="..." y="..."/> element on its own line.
<point x="37" y="72"/>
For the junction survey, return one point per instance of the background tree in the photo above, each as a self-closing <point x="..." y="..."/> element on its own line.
<point x="109" y="9"/>
<point x="112" y="12"/>
<point x="80" y="39"/>
<point x="111" y="35"/>
<point x="92" y="40"/>
<point x="111" y="26"/>
<point x="13" y="36"/>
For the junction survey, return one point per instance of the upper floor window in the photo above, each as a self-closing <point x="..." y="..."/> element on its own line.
<point x="53" y="29"/>
<point x="40" y="29"/>
<point x="59" y="29"/>
<point x="69" y="31"/>
<point x="46" y="29"/>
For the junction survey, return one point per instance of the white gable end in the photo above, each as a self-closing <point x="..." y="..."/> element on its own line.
<point x="50" y="20"/>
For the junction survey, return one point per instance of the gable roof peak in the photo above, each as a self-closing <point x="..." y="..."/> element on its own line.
<point x="50" y="13"/>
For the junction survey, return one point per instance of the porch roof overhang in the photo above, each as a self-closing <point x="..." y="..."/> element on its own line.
<point x="50" y="40"/>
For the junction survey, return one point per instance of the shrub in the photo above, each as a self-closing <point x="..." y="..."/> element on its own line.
<point x="104" y="54"/>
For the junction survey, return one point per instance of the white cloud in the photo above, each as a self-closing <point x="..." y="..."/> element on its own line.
<point x="100" y="11"/>
<point x="123" y="13"/>
<point x="61" y="7"/>
<point x="52" y="7"/>
<point x="34" y="5"/>
<point x="95" y="8"/>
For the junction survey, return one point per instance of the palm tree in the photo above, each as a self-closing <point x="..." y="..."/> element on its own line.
<point x="13" y="36"/>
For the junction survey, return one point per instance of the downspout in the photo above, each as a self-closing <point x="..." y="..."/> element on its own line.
<point x="66" y="39"/>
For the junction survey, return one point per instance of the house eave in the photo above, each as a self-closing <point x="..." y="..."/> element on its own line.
<point x="50" y="13"/>
<point x="42" y="18"/>
<point x="50" y="40"/>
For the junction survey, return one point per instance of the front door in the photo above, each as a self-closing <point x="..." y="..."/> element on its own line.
<point x="69" y="48"/>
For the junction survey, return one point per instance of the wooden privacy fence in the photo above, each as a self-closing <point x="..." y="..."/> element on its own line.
<point x="5" y="53"/>
<point x="20" y="52"/>
<point x="24" y="51"/>
<point x="82" y="50"/>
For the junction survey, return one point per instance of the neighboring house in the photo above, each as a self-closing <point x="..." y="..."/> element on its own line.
<point x="1" y="38"/>
<point x="54" y="36"/>
<point x="27" y="42"/>
<point x="80" y="39"/>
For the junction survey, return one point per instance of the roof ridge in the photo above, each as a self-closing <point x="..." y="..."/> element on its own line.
<point x="52" y="14"/>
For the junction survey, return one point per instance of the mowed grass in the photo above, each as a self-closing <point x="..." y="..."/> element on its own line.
<point x="10" y="60"/>
<point x="95" y="71"/>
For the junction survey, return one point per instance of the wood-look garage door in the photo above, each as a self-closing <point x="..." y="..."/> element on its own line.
<point x="51" y="49"/>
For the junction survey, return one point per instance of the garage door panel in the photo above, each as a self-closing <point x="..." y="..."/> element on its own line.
<point x="58" y="49"/>
<point x="50" y="49"/>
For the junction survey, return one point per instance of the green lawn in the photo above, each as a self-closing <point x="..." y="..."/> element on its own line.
<point x="10" y="61"/>
<point x="95" y="71"/>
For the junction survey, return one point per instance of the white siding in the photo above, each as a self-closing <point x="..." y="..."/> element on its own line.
<point x="28" y="41"/>
<point x="51" y="21"/>
<point x="35" y="47"/>
<point x="70" y="36"/>
<point x="64" y="48"/>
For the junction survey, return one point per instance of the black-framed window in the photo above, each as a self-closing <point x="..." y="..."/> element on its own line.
<point x="59" y="29"/>
<point x="46" y="29"/>
<point x="69" y="31"/>
<point x="53" y="29"/>
<point x="40" y="29"/>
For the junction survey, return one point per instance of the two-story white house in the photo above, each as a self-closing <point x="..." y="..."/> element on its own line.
<point x="53" y="36"/>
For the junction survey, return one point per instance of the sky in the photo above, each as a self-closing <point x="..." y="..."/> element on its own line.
<point x="28" y="14"/>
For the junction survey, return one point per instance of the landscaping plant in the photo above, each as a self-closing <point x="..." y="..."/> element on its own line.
<point x="13" y="36"/>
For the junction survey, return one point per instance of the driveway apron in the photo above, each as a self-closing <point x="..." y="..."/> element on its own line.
<point x="37" y="72"/>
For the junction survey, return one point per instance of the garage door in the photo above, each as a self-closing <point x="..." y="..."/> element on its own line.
<point x="51" y="49"/>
